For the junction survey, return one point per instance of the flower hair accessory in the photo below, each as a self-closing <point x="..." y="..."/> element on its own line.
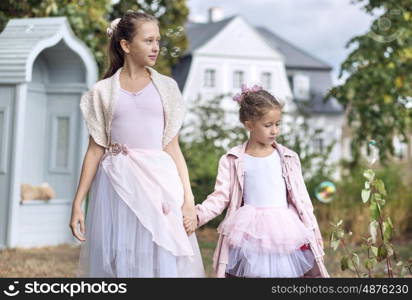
<point x="112" y="27"/>
<point x="245" y="90"/>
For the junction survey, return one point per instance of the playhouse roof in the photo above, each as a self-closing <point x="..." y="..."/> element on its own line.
<point x="23" y="40"/>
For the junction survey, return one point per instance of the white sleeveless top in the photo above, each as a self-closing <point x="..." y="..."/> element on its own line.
<point x="264" y="184"/>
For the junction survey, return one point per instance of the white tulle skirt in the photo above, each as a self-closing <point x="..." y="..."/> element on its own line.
<point x="134" y="223"/>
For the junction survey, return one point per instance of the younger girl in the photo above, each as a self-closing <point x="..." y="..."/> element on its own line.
<point x="269" y="229"/>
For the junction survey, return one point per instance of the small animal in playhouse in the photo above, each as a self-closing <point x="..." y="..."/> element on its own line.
<point x="31" y="192"/>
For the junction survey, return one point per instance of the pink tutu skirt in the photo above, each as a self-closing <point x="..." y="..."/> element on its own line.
<point x="267" y="242"/>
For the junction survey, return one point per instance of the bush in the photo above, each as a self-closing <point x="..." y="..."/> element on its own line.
<point x="348" y="206"/>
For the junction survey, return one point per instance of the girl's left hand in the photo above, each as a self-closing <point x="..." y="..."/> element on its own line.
<point x="189" y="217"/>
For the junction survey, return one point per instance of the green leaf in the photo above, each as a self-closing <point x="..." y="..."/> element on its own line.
<point x="335" y="244"/>
<point x="355" y="258"/>
<point x="374" y="210"/>
<point x="382" y="252"/>
<point x="369" y="174"/>
<point x="340" y="233"/>
<point x="344" y="263"/>
<point x="54" y="8"/>
<point x="387" y="231"/>
<point x="374" y="250"/>
<point x="380" y="186"/>
<point x="350" y="94"/>
<point x="387" y="99"/>
<point x="370" y="263"/>
<point x="390" y="222"/>
<point x="365" y="195"/>
<point x="378" y="198"/>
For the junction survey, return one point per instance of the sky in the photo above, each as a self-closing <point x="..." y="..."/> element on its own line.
<point x="320" y="27"/>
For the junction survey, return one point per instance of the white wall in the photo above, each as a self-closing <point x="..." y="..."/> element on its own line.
<point x="7" y="108"/>
<point x="50" y="225"/>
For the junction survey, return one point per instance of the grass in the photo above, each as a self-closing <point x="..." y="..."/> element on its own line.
<point x="61" y="261"/>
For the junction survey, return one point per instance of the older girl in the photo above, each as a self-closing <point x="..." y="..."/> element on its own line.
<point x="139" y="185"/>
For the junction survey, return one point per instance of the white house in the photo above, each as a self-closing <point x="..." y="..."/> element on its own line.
<point x="224" y="53"/>
<point x="44" y="69"/>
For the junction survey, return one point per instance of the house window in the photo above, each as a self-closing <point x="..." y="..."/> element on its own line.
<point x="238" y="79"/>
<point x="210" y="78"/>
<point x="290" y="79"/>
<point x="266" y="80"/>
<point x="301" y="87"/>
<point x="62" y="147"/>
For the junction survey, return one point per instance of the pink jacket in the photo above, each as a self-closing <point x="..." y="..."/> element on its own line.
<point x="228" y="194"/>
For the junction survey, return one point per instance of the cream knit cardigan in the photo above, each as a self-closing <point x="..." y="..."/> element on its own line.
<point x="97" y="106"/>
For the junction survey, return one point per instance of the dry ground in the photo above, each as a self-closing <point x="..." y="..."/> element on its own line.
<point x="61" y="261"/>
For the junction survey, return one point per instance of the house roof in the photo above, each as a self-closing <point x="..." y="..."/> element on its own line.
<point x="317" y="105"/>
<point x="200" y="33"/>
<point x="294" y="56"/>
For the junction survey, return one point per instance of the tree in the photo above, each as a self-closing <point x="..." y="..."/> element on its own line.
<point x="377" y="93"/>
<point x="87" y="18"/>
<point x="172" y="16"/>
<point x="378" y="242"/>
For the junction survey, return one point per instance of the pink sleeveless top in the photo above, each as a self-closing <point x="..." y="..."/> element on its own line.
<point x="138" y="118"/>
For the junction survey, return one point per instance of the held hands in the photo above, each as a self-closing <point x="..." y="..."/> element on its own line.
<point x="189" y="217"/>
<point x="76" y="219"/>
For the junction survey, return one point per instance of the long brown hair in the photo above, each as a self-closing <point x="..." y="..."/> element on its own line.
<point x="126" y="29"/>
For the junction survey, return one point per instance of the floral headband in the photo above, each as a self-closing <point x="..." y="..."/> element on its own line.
<point x="245" y="90"/>
<point x="112" y="27"/>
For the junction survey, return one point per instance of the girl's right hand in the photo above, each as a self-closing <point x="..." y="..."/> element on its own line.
<point x="76" y="219"/>
<point x="189" y="217"/>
